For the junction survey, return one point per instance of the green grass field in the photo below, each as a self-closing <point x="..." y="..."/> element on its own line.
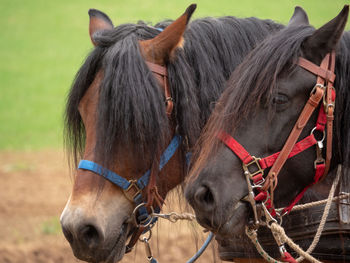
<point x="43" y="43"/>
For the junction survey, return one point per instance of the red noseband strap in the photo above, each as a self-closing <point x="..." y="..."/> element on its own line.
<point x="322" y="90"/>
<point x="268" y="161"/>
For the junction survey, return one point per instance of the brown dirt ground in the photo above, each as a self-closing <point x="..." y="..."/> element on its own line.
<point x="34" y="187"/>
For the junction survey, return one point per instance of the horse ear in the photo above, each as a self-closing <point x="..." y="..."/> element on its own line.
<point x="160" y="49"/>
<point x="326" y="38"/>
<point x="299" y="17"/>
<point x="98" y="21"/>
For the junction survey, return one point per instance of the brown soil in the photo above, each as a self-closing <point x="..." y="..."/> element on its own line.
<point x="34" y="187"/>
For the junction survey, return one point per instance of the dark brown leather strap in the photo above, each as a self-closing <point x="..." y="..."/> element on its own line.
<point x="134" y="238"/>
<point x="162" y="71"/>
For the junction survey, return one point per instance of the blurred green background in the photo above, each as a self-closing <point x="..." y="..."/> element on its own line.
<point x="43" y="43"/>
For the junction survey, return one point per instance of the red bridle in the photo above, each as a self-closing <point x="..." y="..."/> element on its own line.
<point x="265" y="186"/>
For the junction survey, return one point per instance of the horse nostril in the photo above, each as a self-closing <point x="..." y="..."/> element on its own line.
<point x="68" y="234"/>
<point x="204" y="196"/>
<point x="89" y="235"/>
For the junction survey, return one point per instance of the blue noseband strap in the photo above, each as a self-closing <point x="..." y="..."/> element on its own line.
<point x="108" y="174"/>
<point x="143" y="180"/>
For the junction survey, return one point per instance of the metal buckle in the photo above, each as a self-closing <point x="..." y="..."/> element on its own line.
<point x="318" y="85"/>
<point x="256" y="162"/>
<point x="325" y="104"/>
<point x="135" y="190"/>
<point x="318" y="161"/>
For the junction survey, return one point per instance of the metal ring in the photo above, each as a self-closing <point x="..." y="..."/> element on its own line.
<point x="323" y="137"/>
<point x="149" y="218"/>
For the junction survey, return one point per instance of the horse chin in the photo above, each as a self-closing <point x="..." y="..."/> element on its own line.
<point x="118" y="250"/>
<point x="235" y="225"/>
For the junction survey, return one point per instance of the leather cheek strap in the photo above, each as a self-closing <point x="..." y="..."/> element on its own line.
<point x="163" y="72"/>
<point x="306" y="113"/>
<point x="325" y="74"/>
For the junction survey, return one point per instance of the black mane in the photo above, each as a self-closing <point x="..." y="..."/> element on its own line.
<point x="131" y="109"/>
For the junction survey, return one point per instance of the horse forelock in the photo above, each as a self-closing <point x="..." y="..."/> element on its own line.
<point x="131" y="108"/>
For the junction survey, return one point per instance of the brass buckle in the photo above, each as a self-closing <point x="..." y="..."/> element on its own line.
<point x="256" y="162"/>
<point x="318" y="85"/>
<point x="132" y="191"/>
<point x="325" y="104"/>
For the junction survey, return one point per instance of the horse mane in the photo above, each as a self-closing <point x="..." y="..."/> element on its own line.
<point x="254" y="82"/>
<point x="131" y="110"/>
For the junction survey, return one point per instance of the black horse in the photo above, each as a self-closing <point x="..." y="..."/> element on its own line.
<point x="117" y="114"/>
<point x="264" y="98"/>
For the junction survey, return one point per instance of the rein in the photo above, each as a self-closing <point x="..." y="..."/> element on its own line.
<point x="254" y="167"/>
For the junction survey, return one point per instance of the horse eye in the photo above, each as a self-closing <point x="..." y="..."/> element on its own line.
<point x="280" y="99"/>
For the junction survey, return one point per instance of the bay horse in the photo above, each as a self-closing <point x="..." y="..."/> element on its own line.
<point x="263" y="110"/>
<point x="142" y="92"/>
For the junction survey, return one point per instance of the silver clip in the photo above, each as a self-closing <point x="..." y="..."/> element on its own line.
<point x="282" y="249"/>
<point x="147" y="248"/>
<point x="250" y="198"/>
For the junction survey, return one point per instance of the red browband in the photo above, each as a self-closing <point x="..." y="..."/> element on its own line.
<point x="322" y="90"/>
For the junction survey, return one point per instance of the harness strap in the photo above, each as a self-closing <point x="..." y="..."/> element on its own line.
<point x="327" y="75"/>
<point x="236" y="147"/>
<point x="324" y="73"/>
<point x="162" y="71"/>
<point x="330" y="100"/>
<point x="133" y="188"/>
<point x="155" y="68"/>
<point x="291" y="148"/>
<point x="306" y="113"/>
<point x="143" y="180"/>
<point x="268" y="161"/>
<point x="320" y="169"/>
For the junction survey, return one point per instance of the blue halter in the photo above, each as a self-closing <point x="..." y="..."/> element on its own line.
<point x="134" y="186"/>
<point x="125" y="184"/>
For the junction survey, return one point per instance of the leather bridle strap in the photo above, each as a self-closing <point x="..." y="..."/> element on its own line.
<point x="151" y="189"/>
<point x="326" y="116"/>
<point x="163" y="72"/>
<point x="315" y="97"/>
<point x="291" y="148"/>
<point x="325" y="74"/>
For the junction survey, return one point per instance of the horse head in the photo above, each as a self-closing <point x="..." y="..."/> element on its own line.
<point x="265" y="96"/>
<point x="120" y="120"/>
